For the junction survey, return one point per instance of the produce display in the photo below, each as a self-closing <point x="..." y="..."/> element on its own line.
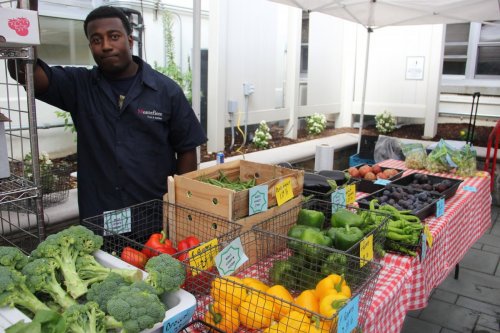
<point x="420" y="181"/>
<point x="415" y="155"/>
<point x="367" y="175"/>
<point x="224" y="182"/>
<point x="63" y="287"/>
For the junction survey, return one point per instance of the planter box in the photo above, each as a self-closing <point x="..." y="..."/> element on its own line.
<point x="189" y="189"/>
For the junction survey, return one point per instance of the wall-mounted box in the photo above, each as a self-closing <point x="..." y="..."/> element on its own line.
<point x="18" y="27"/>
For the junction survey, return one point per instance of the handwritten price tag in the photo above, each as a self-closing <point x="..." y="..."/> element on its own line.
<point x="284" y="191"/>
<point x="382" y="182"/>
<point x="440" y="207"/>
<point x="338" y="199"/>
<point x="348" y="316"/>
<point x="470" y="188"/>
<point x="117" y="221"/>
<point x="350" y="194"/>
<point x="203" y="256"/>
<point x="257" y="199"/>
<point x="366" y="250"/>
<point x="423" y="253"/>
<point x="428" y="235"/>
<point x="230" y="258"/>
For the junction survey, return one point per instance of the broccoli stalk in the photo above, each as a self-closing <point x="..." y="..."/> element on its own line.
<point x="14" y="292"/>
<point x="165" y="273"/>
<point x="65" y="247"/>
<point x="91" y="271"/>
<point x="12" y="257"/>
<point x="41" y="277"/>
<point x="85" y="318"/>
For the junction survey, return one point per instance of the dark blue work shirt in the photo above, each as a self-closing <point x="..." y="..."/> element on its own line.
<point x="124" y="154"/>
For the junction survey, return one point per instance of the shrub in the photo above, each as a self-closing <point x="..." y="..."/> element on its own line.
<point x="262" y="136"/>
<point x="385" y="122"/>
<point x="315" y="124"/>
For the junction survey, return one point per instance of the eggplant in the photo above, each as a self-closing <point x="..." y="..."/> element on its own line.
<point x="337" y="175"/>
<point x="318" y="183"/>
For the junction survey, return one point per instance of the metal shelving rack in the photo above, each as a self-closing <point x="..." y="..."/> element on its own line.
<point x="20" y="226"/>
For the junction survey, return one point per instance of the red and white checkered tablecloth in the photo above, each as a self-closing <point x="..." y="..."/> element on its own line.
<point x="405" y="283"/>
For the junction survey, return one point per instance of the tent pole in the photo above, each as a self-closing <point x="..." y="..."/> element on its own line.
<point x="363" y="97"/>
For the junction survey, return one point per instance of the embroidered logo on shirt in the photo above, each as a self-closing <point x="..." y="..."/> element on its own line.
<point x="150" y="114"/>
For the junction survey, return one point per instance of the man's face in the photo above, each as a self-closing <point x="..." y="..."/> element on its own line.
<point x="110" y="45"/>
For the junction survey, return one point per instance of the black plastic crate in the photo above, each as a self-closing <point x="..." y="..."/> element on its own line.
<point x="433" y="182"/>
<point x="369" y="186"/>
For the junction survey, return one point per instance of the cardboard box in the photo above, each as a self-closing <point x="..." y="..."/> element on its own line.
<point x="18" y="27"/>
<point x="4" y="157"/>
<point x="190" y="190"/>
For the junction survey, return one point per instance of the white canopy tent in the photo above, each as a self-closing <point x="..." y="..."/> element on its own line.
<point x="375" y="14"/>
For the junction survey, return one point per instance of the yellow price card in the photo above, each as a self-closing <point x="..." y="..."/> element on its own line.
<point x="366" y="250"/>
<point x="428" y="235"/>
<point x="203" y="257"/>
<point x="350" y="194"/>
<point x="284" y="191"/>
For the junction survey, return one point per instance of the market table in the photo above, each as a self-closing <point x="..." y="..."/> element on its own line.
<point x="405" y="283"/>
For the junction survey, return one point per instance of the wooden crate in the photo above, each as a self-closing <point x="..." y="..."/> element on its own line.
<point x="190" y="191"/>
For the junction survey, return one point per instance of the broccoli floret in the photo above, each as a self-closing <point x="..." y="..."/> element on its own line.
<point x="165" y="273"/>
<point x="92" y="271"/>
<point x="12" y="257"/>
<point x="14" y="292"/>
<point x="85" y="318"/>
<point x="102" y="291"/>
<point x="41" y="277"/>
<point x="65" y="247"/>
<point x="136" y="310"/>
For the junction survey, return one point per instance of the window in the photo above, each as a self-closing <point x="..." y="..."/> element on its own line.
<point x="63" y="42"/>
<point x="304" y="44"/>
<point x="472" y="50"/>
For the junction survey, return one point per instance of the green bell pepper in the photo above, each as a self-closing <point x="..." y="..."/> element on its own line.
<point x="311" y="218"/>
<point x="335" y="263"/>
<point x="315" y="237"/>
<point x="347" y="237"/>
<point x="281" y="272"/>
<point x="295" y="232"/>
<point x="332" y="232"/>
<point x="343" y="217"/>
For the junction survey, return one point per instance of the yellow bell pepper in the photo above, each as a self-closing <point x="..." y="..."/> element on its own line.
<point x="228" y="289"/>
<point x="332" y="281"/>
<point x="296" y="322"/>
<point x="280" y="294"/>
<point x="329" y="305"/>
<point x="275" y="328"/>
<point x="255" y="284"/>
<point x="307" y="300"/>
<point x="318" y="326"/>
<point x="256" y="312"/>
<point x="223" y="316"/>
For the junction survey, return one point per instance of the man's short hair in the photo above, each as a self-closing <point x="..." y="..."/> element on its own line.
<point x="107" y="12"/>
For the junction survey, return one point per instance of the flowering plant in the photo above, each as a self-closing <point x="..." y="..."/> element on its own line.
<point x="316" y="123"/>
<point x="49" y="179"/>
<point x="385" y="122"/>
<point x="262" y="136"/>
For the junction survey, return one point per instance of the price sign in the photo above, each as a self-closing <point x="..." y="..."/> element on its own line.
<point x="203" y="256"/>
<point x="176" y="323"/>
<point x="423" y="253"/>
<point x="382" y="182"/>
<point x="257" y="199"/>
<point x="470" y="188"/>
<point x="230" y="258"/>
<point x="440" y="207"/>
<point x="348" y="316"/>
<point x="366" y="250"/>
<point x="284" y="191"/>
<point x="338" y="199"/>
<point x="350" y="194"/>
<point x="117" y="221"/>
<point x="428" y="235"/>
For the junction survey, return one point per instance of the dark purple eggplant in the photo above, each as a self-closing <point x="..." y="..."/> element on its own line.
<point x="337" y="175"/>
<point x="318" y="183"/>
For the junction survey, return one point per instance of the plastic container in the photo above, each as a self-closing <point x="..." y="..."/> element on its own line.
<point x="181" y="304"/>
<point x="356" y="159"/>
<point x="370" y="186"/>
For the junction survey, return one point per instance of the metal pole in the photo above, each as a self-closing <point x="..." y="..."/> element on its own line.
<point x="196" y="71"/>
<point x="362" y="113"/>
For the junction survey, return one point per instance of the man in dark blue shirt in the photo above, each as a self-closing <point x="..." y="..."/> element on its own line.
<point x="134" y="125"/>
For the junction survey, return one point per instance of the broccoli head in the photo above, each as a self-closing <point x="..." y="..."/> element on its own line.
<point x="165" y="273"/>
<point x="14" y="292"/>
<point x="12" y="257"/>
<point x="101" y="292"/>
<point x="41" y="277"/>
<point x="92" y="271"/>
<point x="136" y="310"/>
<point x="85" y="318"/>
<point x="65" y="247"/>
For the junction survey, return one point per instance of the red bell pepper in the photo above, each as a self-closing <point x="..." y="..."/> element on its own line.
<point x="134" y="257"/>
<point x="157" y="244"/>
<point x="185" y="244"/>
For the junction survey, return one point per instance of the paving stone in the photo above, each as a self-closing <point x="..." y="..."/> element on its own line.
<point x="449" y="315"/>
<point x="414" y="313"/>
<point x="480" y="261"/>
<point x="447" y="330"/>
<point x="482" y="329"/>
<point x="492" y="249"/>
<point x="488" y="321"/>
<point x="444" y="296"/>
<point x="489" y="239"/>
<point x="414" y="325"/>
<point x="477" y="246"/>
<point x="476" y="285"/>
<point x="490" y="309"/>
<point x="495" y="229"/>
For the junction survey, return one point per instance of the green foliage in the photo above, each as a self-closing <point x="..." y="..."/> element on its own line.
<point x="385" y="122"/>
<point x="262" y="135"/>
<point x="68" y="122"/>
<point x="48" y="178"/>
<point x="85" y="318"/>
<point x="165" y="273"/>
<point x="171" y="69"/>
<point x="316" y="123"/>
<point x="46" y="321"/>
